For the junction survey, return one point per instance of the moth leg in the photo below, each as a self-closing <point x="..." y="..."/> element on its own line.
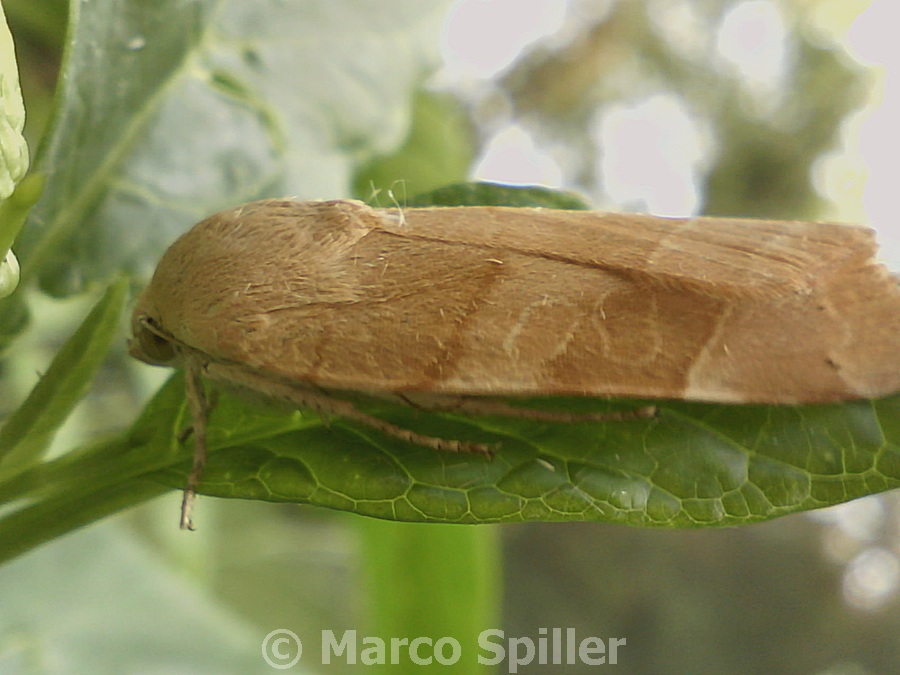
<point x="329" y="406"/>
<point x="199" y="407"/>
<point x="212" y="398"/>
<point x="348" y="411"/>
<point x="486" y="407"/>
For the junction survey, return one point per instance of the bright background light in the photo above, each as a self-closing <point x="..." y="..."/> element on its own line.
<point x="655" y="152"/>
<point x="873" y="40"/>
<point x="653" y="148"/>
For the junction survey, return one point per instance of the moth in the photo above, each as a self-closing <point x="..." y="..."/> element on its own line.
<point x="468" y="308"/>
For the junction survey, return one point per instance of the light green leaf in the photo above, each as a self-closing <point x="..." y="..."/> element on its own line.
<point x="13" y="212"/>
<point x="498" y="194"/>
<point x="9" y="274"/>
<point x="27" y="432"/>
<point x="13" y="149"/>
<point x="13" y="318"/>
<point x="170" y="110"/>
<point x="440" y="149"/>
<point x="13" y="155"/>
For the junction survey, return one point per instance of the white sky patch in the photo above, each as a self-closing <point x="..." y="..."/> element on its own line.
<point x="860" y="520"/>
<point x="650" y="154"/>
<point x="753" y="39"/>
<point x="482" y="37"/>
<point x="512" y="157"/>
<point x="871" y="579"/>
<point x="873" y="40"/>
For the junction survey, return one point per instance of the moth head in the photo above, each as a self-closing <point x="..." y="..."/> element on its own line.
<point x="150" y="343"/>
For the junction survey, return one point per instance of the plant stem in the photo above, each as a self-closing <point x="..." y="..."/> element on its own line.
<point x="434" y="581"/>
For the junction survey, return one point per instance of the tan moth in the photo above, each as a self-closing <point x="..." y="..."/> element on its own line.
<point x="461" y="308"/>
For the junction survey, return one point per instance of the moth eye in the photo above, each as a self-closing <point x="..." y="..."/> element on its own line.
<point x="149" y="346"/>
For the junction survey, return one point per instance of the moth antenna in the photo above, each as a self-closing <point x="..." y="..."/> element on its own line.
<point x="374" y="192"/>
<point x="402" y="184"/>
<point x="402" y="216"/>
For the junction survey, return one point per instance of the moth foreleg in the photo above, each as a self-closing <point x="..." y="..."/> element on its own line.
<point x="199" y="407"/>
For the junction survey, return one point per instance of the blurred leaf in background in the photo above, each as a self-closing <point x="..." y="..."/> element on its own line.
<point x="171" y="110"/>
<point x="438" y="149"/>
<point x="755" y="120"/>
<point x="166" y="111"/>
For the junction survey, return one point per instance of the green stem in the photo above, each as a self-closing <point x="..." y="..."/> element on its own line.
<point x="46" y="520"/>
<point x="434" y="581"/>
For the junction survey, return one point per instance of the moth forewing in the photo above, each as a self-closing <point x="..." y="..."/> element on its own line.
<point x="480" y="303"/>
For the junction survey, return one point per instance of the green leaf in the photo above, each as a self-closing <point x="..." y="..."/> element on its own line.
<point x="14" y="155"/>
<point x="43" y="23"/>
<point x="13" y="318"/>
<point x="26" y="434"/>
<point x="169" y="110"/>
<point x="15" y="209"/>
<point x="694" y="465"/>
<point x="45" y="520"/>
<point x="496" y="194"/>
<point x="13" y="212"/>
